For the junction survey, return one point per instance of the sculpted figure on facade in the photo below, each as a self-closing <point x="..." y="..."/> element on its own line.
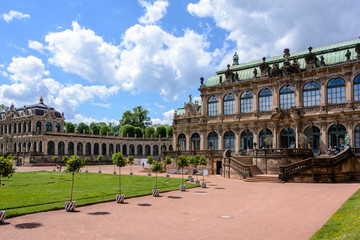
<point x="310" y="59"/>
<point x="322" y="61"/>
<point x="228" y="75"/>
<point x="348" y="55"/>
<point x="276" y="72"/>
<point x="357" y="50"/>
<point x="264" y="67"/>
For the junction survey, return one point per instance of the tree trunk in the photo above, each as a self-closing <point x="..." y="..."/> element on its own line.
<point x="156" y="181"/>
<point x="0" y="179"/>
<point x="182" y="176"/>
<point x="119" y="180"/>
<point x="203" y="174"/>
<point x="130" y="167"/>
<point x="72" y="186"/>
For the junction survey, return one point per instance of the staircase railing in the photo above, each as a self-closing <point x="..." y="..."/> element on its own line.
<point x="238" y="166"/>
<point x="281" y="152"/>
<point x="287" y="170"/>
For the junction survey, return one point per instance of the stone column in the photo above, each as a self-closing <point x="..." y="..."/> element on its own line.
<point x="203" y="105"/>
<point x="220" y="105"/>
<point x="275" y="98"/>
<point x="56" y="149"/>
<point x="323" y="93"/>
<point x="255" y="102"/>
<point x="276" y="137"/>
<point x="348" y="90"/>
<point x="188" y="141"/>
<point x="297" y="95"/>
<point x="297" y="136"/>
<point x="237" y="103"/>
<point x="256" y="137"/>
<point x="203" y="140"/>
<point x="323" y="138"/>
<point x="221" y="141"/>
<point x="237" y="140"/>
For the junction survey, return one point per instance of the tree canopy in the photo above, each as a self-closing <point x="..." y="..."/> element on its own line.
<point x="70" y="127"/>
<point x="160" y="131"/>
<point x="138" y="117"/>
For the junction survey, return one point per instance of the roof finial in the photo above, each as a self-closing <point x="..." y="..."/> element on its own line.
<point x="235" y="59"/>
<point x="41" y="100"/>
<point x="310" y="48"/>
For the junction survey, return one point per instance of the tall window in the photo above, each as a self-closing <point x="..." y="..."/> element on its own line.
<point x="314" y="137"/>
<point x="213" y="106"/>
<point x="336" y="136"/>
<point x="311" y="94"/>
<point x="357" y="136"/>
<point x="246" y="139"/>
<point x="182" y="142"/>
<point x="48" y="126"/>
<point x="229" y="140"/>
<point x="246" y="102"/>
<point x="357" y="88"/>
<point x="287" y="138"/>
<point x="229" y="104"/>
<point x="266" y="138"/>
<point x="287" y="98"/>
<point x="265" y="100"/>
<point x="336" y="91"/>
<point x="213" y="139"/>
<point x="195" y="141"/>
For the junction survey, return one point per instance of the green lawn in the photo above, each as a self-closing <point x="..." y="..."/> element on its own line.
<point x="28" y="192"/>
<point x="345" y="223"/>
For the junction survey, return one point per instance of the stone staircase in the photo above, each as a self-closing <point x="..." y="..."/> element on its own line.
<point x="264" y="178"/>
<point x="254" y="170"/>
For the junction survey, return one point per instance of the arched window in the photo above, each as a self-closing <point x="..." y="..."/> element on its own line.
<point x="88" y="149"/>
<point x="155" y="150"/>
<point x="336" y="91"/>
<point x="229" y="140"/>
<point x="287" y="138"/>
<point x="10" y="128"/>
<point x="357" y="88"/>
<point x="131" y="150"/>
<point x="19" y="128"/>
<point x="24" y="128"/>
<point x="182" y="142"/>
<point x="170" y="148"/>
<point x="29" y="147"/>
<point x="15" y="147"/>
<point x="287" y="98"/>
<point x="337" y="136"/>
<point x="117" y="148"/>
<point x="246" y="139"/>
<point x="147" y="150"/>
<point x="213" y="139"/>
<point x="213" y="106"/>
<point x="57" y="126"/>
<point x="266" y="138"/>
<point x="246" y="102"/>
<point x="38" y="126"/>
<point x="15" y="128"/>
<point x="70" y="148"/>
<point x="357" y="136"/>
<point x="195" y="141"/>
<point x="311" y="94"/>
<point x="229" y="104"/>
<point x="40" y="147"/>
<point x="61" y="148"/>
<point x="24" y="147"/>
<point x="35" y="147"/>
<point x="313" y="134"/>
<point x="48" y="127"/>
<point x="103" y="149"/>
<point x="96" y="149"/>
<point x="29" y="127"/>
<point x="265" y="100"/>
<point x="50" y="148"/>
<point x="124" y="149"/>
<point x="139" y="150"/>
<point x="111" y="149"/>
<point x="79" y="149"/>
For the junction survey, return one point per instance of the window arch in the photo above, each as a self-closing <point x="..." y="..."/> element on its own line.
<point x="287" y="97"/>
<point x="111" y="149"/>
<point x="246" y="102"/>
<point x="182" y="142"/>
<point x="103" y="149"/>
<point x="139" y="150"/>
<point x="357" y="136"/>
<point x="247" y="139"/>
<point x="195" y="141"/>
<point x="155" y="150"/>
<point x="229" y="140"/>
<point x="287" y="138"/>
<point x="117" y="148"/>
<point x="70" y="148"/>
<point x="79" y="149"/>
<point x="57" y="126"/>
<point x="170" y="148"/>
<point x="38" y="126"/>
<point x="61" y="148"/>
<point x="336" y="135"/>
<point x="213" y="139"/>
<point x="313" y="133"/>
<point x="357" y="88"/>
<point x="265" y="134"/>
<point x="124" y="149"/>
<point x="88" y="149"/>
<point x="96" y="149"/>
<point x="229" y="104"/>
<point x="311" y="94"/>
<point x="265" y="100"/>
<point x="147" y="150"/>
<point x="15" y="127"/>
<point x="24" y="128"/>
<point x="213" y="106"/>
<point x="336" y="91"/>
<point x="48" y="127"/>
<point x="131" y="150"/>
<point x="19" y="128"/>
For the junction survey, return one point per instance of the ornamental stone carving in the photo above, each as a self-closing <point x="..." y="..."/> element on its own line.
<point x="310" y="59"/>
<point x="264" y="67"/>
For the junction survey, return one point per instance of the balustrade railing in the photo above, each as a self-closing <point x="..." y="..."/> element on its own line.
<point x="237" y="166"/>
<point x="212" y="153"/>
<point x="284" y="152"/>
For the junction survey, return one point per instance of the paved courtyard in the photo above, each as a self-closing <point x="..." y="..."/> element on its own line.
<point x="227" y="209"/>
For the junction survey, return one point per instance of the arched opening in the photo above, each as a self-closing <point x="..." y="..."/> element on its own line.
<point x="96" y="149"/>
<point x="170" y="148"/>
<point x="287" y="97"/>
<point x="88" y="149"/>
<point x="229" y="104"/>
<point x="195" y="141"/>
<point x="15" y="125"/>
<point x="29" y="127"/>
<point x="139" y="150"/>
<point x="57" y="126"/>
<point x="357" y="136"/>
<point x="19" y="128"/>
<point x="111" y="149"/>
<point x="38" y="126"/>
<point x="247" y="139"/>
<point x="24" y="128"/>
<point x="337" y="136"/>
<point x="182" y="142"/>
<point x="131" y="150"/>
<point x="61" y="148"/>
<point x="103" y="149"/>
<point x="117" y="148"/>
<point x="10" y="128"/>
<point x="213" y="141"/>
<point x="246" y="102"/>
<point x="35" y="147"/>
<point x="287" y="138"/>
<point x="24" y="147"/>
<point x="313" y="135"/>
<point x="48" y="127"/>
<point x="311" y="94"/>
<point x="15" y="147"/>
<point x="357" y="88"/>
<point x="124" y="149"/>
<point x="70" y="148"/>
<point x="265" y="100"/>
<point x="79" y="149"/>
<point x="29" y="147"/>
<point x="265" y="138"/>
<point x="213" y="106"/>
<point x="50" y="148"/>
<point x="147" y="150"/>
<point x="336" y="91"/>
<point x="229" y="140"/>
<point x="40" y="147"/>
<point x="155" y="150"/>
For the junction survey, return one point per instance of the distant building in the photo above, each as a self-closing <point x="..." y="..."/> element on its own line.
<point x="36" y="133"/>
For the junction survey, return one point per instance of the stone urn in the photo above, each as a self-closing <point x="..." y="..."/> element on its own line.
<point x="2" y="216"/>
<point x="203" y="184"/>
<point x="131" y="174"/>
<point x="70" y="206"/>
<point x="120" y="198"/>
<point x="167" y="175"/>
<point x="99" y="171"/>
<point x="155" y="192"/>
<point x="149" y="174"/>
<point x="182" y="188"/>
<point x="114" y="172"/>
<point x="86" y="171"/>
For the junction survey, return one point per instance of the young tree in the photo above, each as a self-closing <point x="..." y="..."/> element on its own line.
<point x="149" y="131"/>
<point x="70" y="127"/>
<point x="127" y="130"/>
<point x="160" y="131"/>
<point x="167" y="161"/>
<point x="195" y="163"/>
<point x="86" y="163"/>
<point x="81" y="127"/>
<point x="99" y="159"/>
<point x="54" y="158"/>
<point x="95" y="128"/>
<point x="104" y="129"/>
<point x="119" y="160"/>
<point x="181" y="163"/>
<point x="130" y="160"/>
<point x="138" y="132"/>
<point x="65" y="159"/>
<point x="156" y="167"/>
<point x="169" y="131"/>
<point x="203" y="163"/>
<point x="6" y="167"/>
<point x="73" y="165"/>
<point x="149" y="161"/>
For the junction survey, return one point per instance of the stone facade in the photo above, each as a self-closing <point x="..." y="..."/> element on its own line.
<point x="307" y="99"/>
<point x="36" y="133"/>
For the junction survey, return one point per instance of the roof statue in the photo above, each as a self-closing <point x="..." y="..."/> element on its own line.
<point x="310" y="59"/>
<point x="235" y="59"/>
<point x="348" y="55"/>
<point x="41" y="100"/>
<point x="322" y="61"/>
<point x="265" y="68"/>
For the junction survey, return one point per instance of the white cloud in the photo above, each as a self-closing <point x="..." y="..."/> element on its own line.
<point x="168" y="118"/>
<point x="104" y="105"/>
<point x="78" y="118"/>
<point x="35" y="45"/>
<point x="8" y="17"/>
<point x="265" y="28"/>
<point x="159" y="105"/>
<point x="154" y="12"/>
<point x="148" y="59"/>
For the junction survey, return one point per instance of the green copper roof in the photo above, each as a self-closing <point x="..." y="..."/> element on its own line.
<point x="180" y="111"/>
<point x="333" y="54"/>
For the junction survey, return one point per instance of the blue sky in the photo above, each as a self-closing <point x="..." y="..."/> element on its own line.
<point x="93" y="60"/>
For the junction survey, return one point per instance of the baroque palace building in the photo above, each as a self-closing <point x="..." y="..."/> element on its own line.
<point x="36" y="133"/>
<point x="313" y="93"/>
